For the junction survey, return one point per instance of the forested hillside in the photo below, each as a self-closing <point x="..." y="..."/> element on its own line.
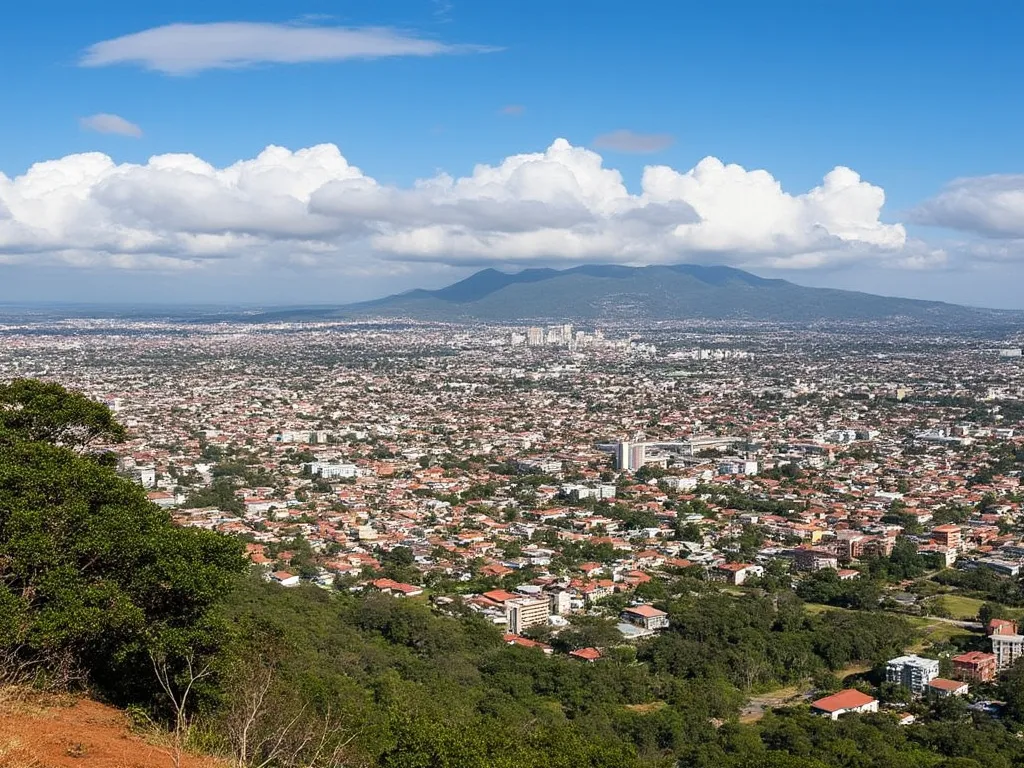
<point x="100" y="593"/>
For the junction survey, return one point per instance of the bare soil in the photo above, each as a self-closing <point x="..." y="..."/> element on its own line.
<point x="79" y="733"/>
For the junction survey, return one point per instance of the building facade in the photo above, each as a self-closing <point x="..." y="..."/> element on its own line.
<point x="838" y="704"/>
<point x="645" y="616"/>
<point x="525" y="612"/>
<point x="1007" y="649"/>
<point x="912" y="672"/>
<point x="975" y="666"/>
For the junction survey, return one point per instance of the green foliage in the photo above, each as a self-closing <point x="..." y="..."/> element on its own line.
<point x="92" y="575"/>
<point x="220" y="494"/>
<point x="753" y="644"/>
<point x="985" y="584"/>
<point x="37" y="411"/>
<point x="827" y="588"/>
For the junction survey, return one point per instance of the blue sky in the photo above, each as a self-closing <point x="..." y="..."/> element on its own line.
<point x="910" y="95"/>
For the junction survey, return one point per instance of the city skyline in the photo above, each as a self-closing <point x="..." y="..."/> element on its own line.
<point x="334" y="155"/>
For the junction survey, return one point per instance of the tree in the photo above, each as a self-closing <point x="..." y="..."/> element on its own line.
<point x="38" y="411"/>
<point x="179" y="696"/>
<point x="94" y="576"/>
<point x="1011" y="690"/>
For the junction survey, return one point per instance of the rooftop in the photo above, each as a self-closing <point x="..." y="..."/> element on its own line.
<point x="848" y="699"/>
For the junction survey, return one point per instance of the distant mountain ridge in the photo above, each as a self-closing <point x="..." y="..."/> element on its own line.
<point x="655" y="293"/>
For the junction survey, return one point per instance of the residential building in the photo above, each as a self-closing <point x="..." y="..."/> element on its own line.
<point x="629" y="456"/>
<point x="941" y="688"/>
<point x="975" y="666"/>
<point x="844" y="702"/>
<point x="1007" y="649"/>
<point x="1001" y="627"/>
<point x="397" y="588"/>
<point x="950" y="536"/>
<point x="586" y="654"/>
<point x="525" y="612"/>
<point x="284" y="578"/>
<point x="808" y="559"/>
<point x="330" y="470"/>
<point x="525" y="642"/>
<point x="912" y="672"/>
<point x="646" y="616"/>
<point x="734" y="573"/>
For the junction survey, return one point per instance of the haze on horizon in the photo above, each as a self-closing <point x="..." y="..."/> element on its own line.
<point x="188" y="154"/>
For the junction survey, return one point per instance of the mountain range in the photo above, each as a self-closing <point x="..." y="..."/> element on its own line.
<point x="651" y="293"/>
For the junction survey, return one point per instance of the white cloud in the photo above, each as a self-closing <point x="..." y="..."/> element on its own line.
<point x="634" y="143"/>
<point x="107" y="123"/>
<point x="991" y="206"/>
<point x="561" y="205"/>
<point x="181" y="49"/>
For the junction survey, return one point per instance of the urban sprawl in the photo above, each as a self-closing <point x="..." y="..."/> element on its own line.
<point x="544" y="475"/>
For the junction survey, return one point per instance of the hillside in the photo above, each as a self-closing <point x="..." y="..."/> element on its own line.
<point x="78" y="733"/>
<point x="655" y="293"/>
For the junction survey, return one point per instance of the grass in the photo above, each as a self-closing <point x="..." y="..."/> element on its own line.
<point x="960" y="607"/>
<point x="645" y="709"/>
<point x="816" y="609"/>
<point x="932" y="631"/>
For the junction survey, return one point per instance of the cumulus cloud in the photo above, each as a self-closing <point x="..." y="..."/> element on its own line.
<point x="634" y="143"/>
<point x="106" y="123"/>
<point x="991" y="206"/>
<point x="312" y="206"/>
<point x="181" y="49"/>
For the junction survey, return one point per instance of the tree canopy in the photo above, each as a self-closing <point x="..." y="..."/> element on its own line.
<point x="92" y="575"/>
<point x="38" y="411"/>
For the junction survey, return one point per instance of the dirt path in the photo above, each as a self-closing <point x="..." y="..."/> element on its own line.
<point x="756" y="706"/>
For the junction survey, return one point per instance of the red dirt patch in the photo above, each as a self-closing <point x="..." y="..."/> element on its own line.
<point x="83" y="735"/>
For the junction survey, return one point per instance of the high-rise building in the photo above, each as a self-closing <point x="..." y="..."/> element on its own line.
<point x="526" y="612"/>
<point x="534" y="336"/>
<point x="630" y="456"/>
<point x="949" y="536"/>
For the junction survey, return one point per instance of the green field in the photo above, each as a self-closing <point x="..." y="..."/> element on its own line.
<point x="960" y="607"/>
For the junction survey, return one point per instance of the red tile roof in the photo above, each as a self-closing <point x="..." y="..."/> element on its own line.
<point x="974" y="657"/>
<point x="946" y="685"/>
<point x="647" y="611"/>
<point x="500" y="595"/>
<point x="848" y="699"/>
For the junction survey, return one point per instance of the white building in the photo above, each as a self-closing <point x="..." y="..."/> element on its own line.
<point x="328" y="471"/>
<point x="144" y="476"/>
<point x="737" y="467"/>
<point x="525" y="612"/>
<point x="629" y="457"/>
<point x="284" y="578"/>
<point x="546" y="466"/>
<point x="912" y="672"/>
<point x="603" y="491"/>
<point x="841" y="703"/>
<point x="561" y="602"/>
<point x="1007" y="649"/>
<point x="681" y="483"/>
